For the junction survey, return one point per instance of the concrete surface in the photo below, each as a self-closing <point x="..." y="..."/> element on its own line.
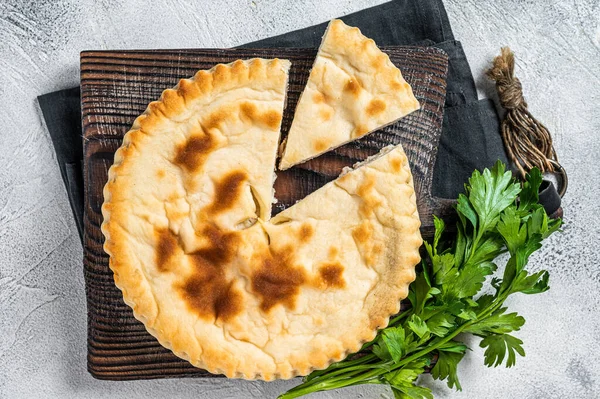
<point x="42" y="301"/>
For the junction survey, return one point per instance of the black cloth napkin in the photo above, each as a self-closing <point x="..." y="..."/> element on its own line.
<point x="470" y="137"/>
<point x="62" y="114"/>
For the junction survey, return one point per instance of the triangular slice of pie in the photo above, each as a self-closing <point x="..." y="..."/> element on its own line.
<point x="353" y="89"/>
<point x="191" y="245"/>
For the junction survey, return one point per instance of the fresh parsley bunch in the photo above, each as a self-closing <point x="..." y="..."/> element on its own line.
<point x="495" y="215"/>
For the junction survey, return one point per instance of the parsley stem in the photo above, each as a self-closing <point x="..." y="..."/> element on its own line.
<point x="399" y="317"/>
<point x="342" y="366"/>
<point x="337" y="380"/>
<point x="496" y="303"/>
<point x="474" y="246"/>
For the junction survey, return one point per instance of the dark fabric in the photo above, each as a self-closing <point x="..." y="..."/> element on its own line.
<point x="62" y="114"/>
<point x="401" y="22"/>
<point x="470" y="137"/>
<point x="470" y="140"/>
<point x="549" y="197"/>
<point x="460" y="85"/>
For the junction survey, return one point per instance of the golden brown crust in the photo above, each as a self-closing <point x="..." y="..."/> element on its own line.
<point x="353" y="89"/>
<point x="185" y="220"/>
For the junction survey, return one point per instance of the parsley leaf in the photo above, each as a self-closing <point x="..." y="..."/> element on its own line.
<point x="469" y="281"/>
<point x="490" y="193"/>
<point x="463" y="241"/>
<point x="446" y="367"/>
<point x="498" y="345"/>
<point x="440" y="226"/>
<point x="512" y="230"/>
<point x="529" y="194"/>
<point x="412" y="392"/>
<point x="440" y="323"/>
<point x="464" y="206"/>
<point x="443" y="269"/>
<point x="487" y="250"/>
<point x="402" y="381"/>
<point x="407" y="374"/>
<point x="531" y="283"/>
<point x="421" y="290"/>
<point x="418" y="326"/>
<point x="497" y="323"/>
<point x="453" y="346"/>
<point x="518" y="260"/>
<point x="391" y="345"/>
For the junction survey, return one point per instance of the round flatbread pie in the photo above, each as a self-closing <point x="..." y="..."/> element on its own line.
<point x="210" y="274"/>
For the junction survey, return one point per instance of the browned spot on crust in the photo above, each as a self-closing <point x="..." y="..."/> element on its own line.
<point x="221" y="73"/>
<point x="204" y="81"/>
<point x="173" y="197"/>
<point x="320" y="145"/>
<point x="333" y="252"/>
<point x="377" y="249"/>
<point x="160" y="173"/>
<point x="343" y="178"/>
<point x="174" y="212"/>
<point x="126" y="151"/>
<point x="215" y="119"/>
<point x="278" y="280"/>
<point x="395" y="85"/>
<point x="377" y="62"/>
<point x="396" y="164"/>
<point x="165" y="249"/>
<point x="192" y="155"/>
<point x="222" y="246"/>
<point x="363" y="233"/>
<point x="306" y="232"/>
<point x="365" y="188"/>
<point x="207" y="291"/>
<point x="353" y="87"/>
<point x="249" y="110"/>
<point x="318" y="98"/>
<point x="371" y="253"/>
<point x="257" y="68"/>
<point x="238" y="68"/>
<point x="369" y="201"/>
<point x="375" y="107"/>
<point x="363" y="236"/>
<point x="331" y="275"/>
<point x="187" y="89"/>
<point x="227" y="191"/>
<point x="360" y="130"/>
<point x="210" y="296"/>
<point x="325" y="114"/>
<point x="270" y="118"/>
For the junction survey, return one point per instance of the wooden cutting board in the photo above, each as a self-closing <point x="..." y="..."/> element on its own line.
<point x="116" y="87"/>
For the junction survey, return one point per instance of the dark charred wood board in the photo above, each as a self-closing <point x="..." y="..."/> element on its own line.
<point x="117" y="86"/>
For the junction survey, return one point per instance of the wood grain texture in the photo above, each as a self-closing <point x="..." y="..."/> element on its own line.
<point x="116" y="87"/>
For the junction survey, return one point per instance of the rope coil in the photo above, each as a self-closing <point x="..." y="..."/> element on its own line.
<point x="527" y="141"/>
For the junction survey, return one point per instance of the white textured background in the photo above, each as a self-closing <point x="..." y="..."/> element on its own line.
<point x="42" y="299"/>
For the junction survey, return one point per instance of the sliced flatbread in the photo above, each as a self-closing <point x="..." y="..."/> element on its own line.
<point x="353" y="89"/>
<point x="186" y="221"/>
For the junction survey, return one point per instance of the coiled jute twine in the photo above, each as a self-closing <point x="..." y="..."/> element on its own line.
<point x="528" y="142"/>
